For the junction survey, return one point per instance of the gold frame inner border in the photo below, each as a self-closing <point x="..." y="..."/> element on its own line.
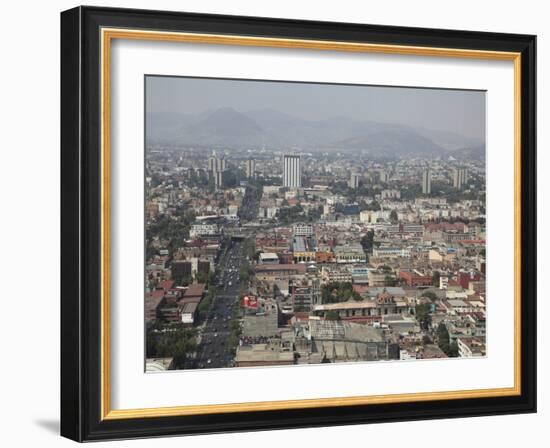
<point x="107" y="36"/>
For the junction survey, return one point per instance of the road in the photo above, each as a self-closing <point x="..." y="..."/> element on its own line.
<point x="250" y="205"/>
<point x="213" y="350"/>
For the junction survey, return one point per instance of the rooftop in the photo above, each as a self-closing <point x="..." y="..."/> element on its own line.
<point x="195" y="290"/>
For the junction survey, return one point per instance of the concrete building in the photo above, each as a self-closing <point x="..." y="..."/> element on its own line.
<point x="267" y="354"/>
<point x="470" y="347"/>
<point x="390" y="194"/>
<point x="460" y="177"/>
<point x="292" y="172"/>
<point x="350" y="253"/>
<point x="158" y="364"/>
<point x="260" y="325"/>
<point x="302" y="230"/>
<point x="250" y="168"/>
<point x="427" y="181"/>
<point x="216" y="164"/>
<point x="354" y="180"/>
<point x="303" y="249"/>
<point x="219" y="179"/>
<point x="268" y="258"/>
<point x="305" y="294"/>
<point x="203" y="229"/>
<point x="360" y="275"/>
<point x="415" y="278"/>
<point x="331" y="274"/>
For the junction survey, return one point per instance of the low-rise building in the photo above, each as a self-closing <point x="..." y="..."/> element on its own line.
<point x="350" y="253"/>
<point x="471" y="347"/>
<point x="302" y="230"/>
<point x="415" y="278"/>
<point x="268" y="258"/>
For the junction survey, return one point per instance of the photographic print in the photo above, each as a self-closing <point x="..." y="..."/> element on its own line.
<point x="252" y="200"/>
<point x="292" y="223"/>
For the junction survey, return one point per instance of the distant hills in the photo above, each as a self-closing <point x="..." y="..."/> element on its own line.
<point x="227" y="127"/>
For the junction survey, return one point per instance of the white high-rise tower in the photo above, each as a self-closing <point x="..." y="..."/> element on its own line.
<point x="292" y="173"/>
<point x="427" y="181"/>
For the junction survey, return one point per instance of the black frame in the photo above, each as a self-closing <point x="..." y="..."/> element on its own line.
<point x="80" y="223"/>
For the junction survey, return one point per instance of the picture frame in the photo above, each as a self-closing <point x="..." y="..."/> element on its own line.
<point x="86" y="37"/>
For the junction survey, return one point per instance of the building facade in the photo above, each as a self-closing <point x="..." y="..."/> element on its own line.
<point x="427" y="182"/>
<point x="292" y="173"/>
<point x="250" y="168"/>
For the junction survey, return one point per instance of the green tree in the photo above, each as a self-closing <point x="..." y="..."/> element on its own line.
<point x="443" y="341"/>
<point x="335" y="292"/>
<point x="453" y="350"/>
<point x="171" y="341"/>
<point x="206" y="303"/>
<point x="430" y="295"/>
<point x="393" y="216"/>
<point x="245" y="273"/>
<point x="201" y="277"/>
<point x="374" y="206"/>
<point x="423" y="315"/>
<point x="435" y="278"/>
<point x="332" y="315"/>
<point x="390" y="281"/>
<point x="367" y="241"/>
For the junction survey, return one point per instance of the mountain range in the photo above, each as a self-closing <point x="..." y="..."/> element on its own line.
<point x="227" y="127"/>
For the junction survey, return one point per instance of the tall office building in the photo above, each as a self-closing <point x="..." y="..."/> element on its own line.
<point x="427" y="181"/>
<point x="212" y="164"/>
<point x="292" y="174"/>
<point x="460" y="177"/>
<point x="216" y="164"/>
<point x="250" y="168"/>
<point x="383" y="176"/>
<point x="216" y="169"/>
<point x="219" y="179"/>
<point x="354" y="180"/>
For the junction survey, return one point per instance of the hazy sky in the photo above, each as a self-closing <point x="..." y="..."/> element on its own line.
<point x="458" y="111"/>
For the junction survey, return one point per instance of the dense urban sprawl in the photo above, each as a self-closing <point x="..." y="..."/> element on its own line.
<point x="265" y="257"/>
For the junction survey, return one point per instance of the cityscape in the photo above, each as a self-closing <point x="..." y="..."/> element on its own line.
<point x="301" y="223"/>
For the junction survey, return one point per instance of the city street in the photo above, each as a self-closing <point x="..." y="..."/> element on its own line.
<point x="213" y="350"/>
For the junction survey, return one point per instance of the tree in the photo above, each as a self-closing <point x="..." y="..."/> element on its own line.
<point x="182" y="280"/>
<point x="435" y="278"/>
<point x="171" y="341"/>
<point x="206" y="303"/>
<point x="244" y="274"/>
<point x="338" y="292"/>
<point x="423" y="315"/>
<point x="393" y="216"/>
<point x="390" y="281"/>
<point x="430" y="295"/>
<point x="201" y="277"/>
<point x="443" y="341"/>
<point x="332" y="315"/>
<point x="367" y="241"/>
<point x="374" y="206"/>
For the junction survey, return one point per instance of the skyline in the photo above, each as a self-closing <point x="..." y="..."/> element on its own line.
<point x="458" y="111"/>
